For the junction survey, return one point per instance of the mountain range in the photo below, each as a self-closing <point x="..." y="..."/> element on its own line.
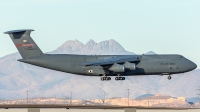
<point x="109" y="47"/>
<point x="17" y="78"/>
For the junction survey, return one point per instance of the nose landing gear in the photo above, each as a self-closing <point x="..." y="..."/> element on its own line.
<point x="169" y="77"/>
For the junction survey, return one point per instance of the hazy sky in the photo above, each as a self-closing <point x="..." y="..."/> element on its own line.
<point x="162" y="26"/>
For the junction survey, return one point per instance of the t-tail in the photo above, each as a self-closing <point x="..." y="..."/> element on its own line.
<point x="24" y="43"/>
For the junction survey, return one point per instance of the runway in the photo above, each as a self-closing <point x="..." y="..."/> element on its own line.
<point x="88" y="108"/>
<point x="85" y="106"/>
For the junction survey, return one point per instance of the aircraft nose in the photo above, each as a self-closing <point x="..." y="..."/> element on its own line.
<point x="193" y="65"/>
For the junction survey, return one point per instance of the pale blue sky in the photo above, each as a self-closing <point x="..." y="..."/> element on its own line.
<point x="162" y="26"/>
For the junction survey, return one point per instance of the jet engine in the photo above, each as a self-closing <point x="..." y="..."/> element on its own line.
<point x="129" y="66"/>
<point x="117" y="68"/>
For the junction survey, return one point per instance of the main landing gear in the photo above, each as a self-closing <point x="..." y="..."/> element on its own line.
<point x="119" y="78"/>
<point x="105" y="78"/>
<point x="169" y="77"/>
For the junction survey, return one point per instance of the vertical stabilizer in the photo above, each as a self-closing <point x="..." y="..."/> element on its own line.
<point x="24" y="43"/>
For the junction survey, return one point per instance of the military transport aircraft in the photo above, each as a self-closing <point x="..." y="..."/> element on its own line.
<point x="99" y="65"/>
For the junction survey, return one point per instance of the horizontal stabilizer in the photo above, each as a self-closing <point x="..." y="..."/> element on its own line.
<point x="18" y="31"/>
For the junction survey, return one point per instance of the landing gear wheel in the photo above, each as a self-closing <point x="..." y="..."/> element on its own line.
<point x="119" y="78"/>
<point x="105" y="78"/>
<point x="169" y="77"/>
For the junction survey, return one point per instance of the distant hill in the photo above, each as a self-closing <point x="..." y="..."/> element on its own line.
<point x="151" y="53"/>
<point x="194" y="100"/>
<point x="144" y="96"/>
<point x="108" y="47"/>
<point x="16" y="78"/>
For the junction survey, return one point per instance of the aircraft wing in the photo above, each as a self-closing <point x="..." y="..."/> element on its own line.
<point x="112" y="60"/>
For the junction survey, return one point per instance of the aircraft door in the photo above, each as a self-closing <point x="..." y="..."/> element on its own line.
<point x="172" y="65"/>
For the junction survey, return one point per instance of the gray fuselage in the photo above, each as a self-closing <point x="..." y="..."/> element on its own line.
<point x="147" y="64"/>
<point x="99" y="65"/>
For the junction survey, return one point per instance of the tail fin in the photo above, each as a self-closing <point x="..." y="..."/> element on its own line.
<point x="24" y="43"/>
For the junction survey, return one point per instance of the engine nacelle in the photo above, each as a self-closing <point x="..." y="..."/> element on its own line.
<point x="117" y="68"/>
<point x="129" y="66"/>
